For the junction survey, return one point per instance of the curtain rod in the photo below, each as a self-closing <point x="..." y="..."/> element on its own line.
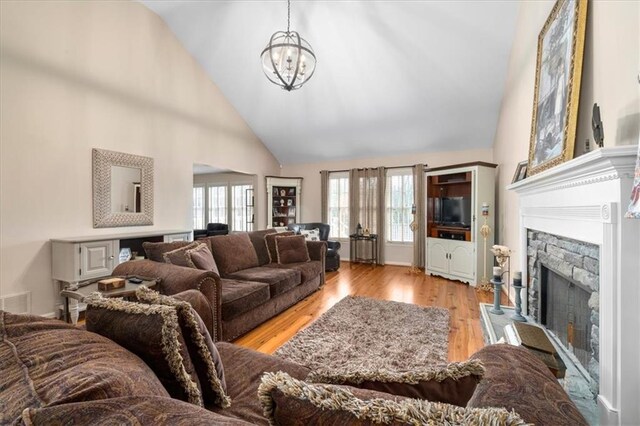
<point x="363" y="168"/>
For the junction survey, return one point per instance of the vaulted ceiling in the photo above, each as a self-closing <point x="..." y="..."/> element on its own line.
<point x="393" y="77"/>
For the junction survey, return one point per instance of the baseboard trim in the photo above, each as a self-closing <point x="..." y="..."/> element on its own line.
<point x="385" y="263"/>
<point x="398" y="263"/>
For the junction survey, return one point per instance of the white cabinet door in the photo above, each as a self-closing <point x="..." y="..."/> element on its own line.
<point x="461" y="259"/>
<point x="96" y="259"/>
<point x="437" y="255"/>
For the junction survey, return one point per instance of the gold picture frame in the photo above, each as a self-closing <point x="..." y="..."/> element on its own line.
<point x="557" y="87"/>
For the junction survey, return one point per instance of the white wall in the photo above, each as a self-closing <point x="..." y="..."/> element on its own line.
<point x="111" y="75"/>
<point x="394" y="253"/>
<point x="609" y="77"/>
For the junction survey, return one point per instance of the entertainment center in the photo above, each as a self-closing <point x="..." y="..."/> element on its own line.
<point x="455" y="196"/>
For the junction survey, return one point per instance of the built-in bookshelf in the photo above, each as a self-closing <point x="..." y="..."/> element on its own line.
<point x="284" y="197"/>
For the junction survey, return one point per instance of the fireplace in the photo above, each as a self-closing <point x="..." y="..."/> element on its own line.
<point x="574" y="212"/>
<point x="564" y="310"/>
<point x="563" y="295"/>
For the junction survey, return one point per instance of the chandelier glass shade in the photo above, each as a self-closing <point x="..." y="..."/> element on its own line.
<point x="288" y="60"/>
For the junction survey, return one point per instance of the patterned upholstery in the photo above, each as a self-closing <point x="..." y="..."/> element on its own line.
<point x="55" y="373"/>
<point x="45" y="362"/>
<point x="517" y="380"/>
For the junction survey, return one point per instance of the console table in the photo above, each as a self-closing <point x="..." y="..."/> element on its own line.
<point x="371" y="240"/>
<point x="78" y="259"/>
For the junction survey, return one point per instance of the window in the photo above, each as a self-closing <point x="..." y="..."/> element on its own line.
<point x="338" y="204"/>
<point x="239" y="207"/>
<point x="218" y="204"/>
<point x="399" y="203"/>
<point x="198" y="207"/>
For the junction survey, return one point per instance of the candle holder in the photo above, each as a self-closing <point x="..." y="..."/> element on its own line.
<point x="517" y="286"/>
<point x="503" y="258"/>
<point x="497" y="283"/>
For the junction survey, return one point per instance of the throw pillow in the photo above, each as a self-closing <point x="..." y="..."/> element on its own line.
<point x="154" y="251"/>
<point x="453" y="383"/>
<point x="233" y="253"/>
<point x="311" y="234"/>
<point x="260" y="245"/>
<point x="284" y="398"/>
<point x="177" y="256"/>
<point x="292" y="249"/>
<point x="200" y="257"/>
<point x="202" y="351"/>
<point x="270" y="239"/>
<point x="152" y="332"/>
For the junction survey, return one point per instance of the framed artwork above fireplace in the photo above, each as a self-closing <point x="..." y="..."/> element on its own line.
<point x="557" y="86"/>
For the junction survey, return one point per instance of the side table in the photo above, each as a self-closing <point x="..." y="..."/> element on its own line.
<point x="355" y="257"/>
<point x="77" y="294"/>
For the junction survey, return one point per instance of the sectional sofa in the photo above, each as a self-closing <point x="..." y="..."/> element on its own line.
<point x="249" y="286"/>
<point x="55" y="373"/>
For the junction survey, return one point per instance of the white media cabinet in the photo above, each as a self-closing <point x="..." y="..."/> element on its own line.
<point x="454" y="251"/>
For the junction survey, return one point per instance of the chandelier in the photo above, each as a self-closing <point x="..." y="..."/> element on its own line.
<point x="288" y="59"/>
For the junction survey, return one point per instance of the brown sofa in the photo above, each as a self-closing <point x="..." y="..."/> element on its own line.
<point x="249" y="289"/>
<point x="55" y="373"/>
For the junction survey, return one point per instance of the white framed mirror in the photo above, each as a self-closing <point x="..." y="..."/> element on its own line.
<point x="122" y="189"/>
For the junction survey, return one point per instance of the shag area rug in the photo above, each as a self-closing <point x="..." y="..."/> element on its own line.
<point x="364" y="334"/>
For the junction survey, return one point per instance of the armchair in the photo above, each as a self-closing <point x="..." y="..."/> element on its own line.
<point x="332" y="258"/>
<point x="212" y="229"/>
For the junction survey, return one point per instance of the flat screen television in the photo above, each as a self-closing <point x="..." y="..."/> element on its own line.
<point x="453" y="211"/>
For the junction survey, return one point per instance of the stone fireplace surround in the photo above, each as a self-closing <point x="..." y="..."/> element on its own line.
<point x="576" y="262"/>
<point x="585" y="200"/>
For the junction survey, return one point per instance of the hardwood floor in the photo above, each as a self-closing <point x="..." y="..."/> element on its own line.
<point x="387" y="283"/>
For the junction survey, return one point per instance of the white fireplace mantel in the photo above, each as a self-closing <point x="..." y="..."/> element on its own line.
<point x="585" y="199"/>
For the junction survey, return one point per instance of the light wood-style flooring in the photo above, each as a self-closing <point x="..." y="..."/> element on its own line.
<point x="387" y="283"/>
